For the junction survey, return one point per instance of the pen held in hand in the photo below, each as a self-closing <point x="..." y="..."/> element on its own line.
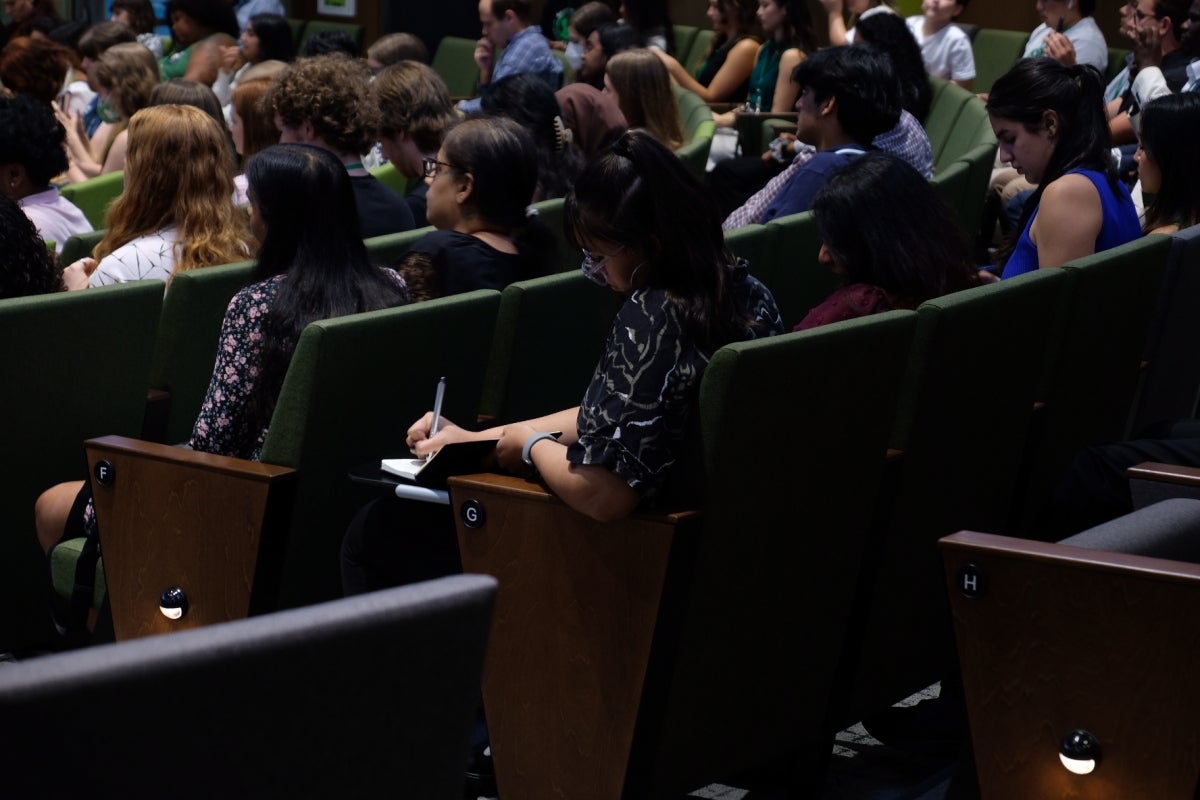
<point x="437" y="407"/>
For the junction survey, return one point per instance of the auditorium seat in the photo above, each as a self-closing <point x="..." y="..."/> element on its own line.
<point x="93" y="195"/>
<point x="648" y="656"/>
<point x="369" y="696"/>
<point x="1091" y="634"/>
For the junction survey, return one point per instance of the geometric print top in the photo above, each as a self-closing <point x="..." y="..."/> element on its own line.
<point x="150" y="257"/>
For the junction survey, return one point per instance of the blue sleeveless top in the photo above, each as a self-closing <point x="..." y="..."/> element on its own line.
<point x="1120" y="224"/>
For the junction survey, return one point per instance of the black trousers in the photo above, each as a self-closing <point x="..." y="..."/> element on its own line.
<point x="1095" y="488"/>
<point x="392" y="542"/>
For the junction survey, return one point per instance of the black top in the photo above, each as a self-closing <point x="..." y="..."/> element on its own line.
<point x="448" y="262"/>
<point x="712" y="65"/>
<point x="417" y="204"/>
<point x="380" y="210"/>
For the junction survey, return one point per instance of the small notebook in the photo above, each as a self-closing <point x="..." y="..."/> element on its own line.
<point x="460" y="458"/>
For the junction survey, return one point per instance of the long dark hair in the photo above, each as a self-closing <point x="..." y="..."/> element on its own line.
<point x="889" y="34"/>
<point x="274" y="36"/>
<point x="503" y="162"/>
<point x="1169" y="125"/>
<point x="651" y="18"/>
<point x="638" y="194"/>
<point x="798" y="25"/>
<point x="530" y="102"/>
<point x="1076" y="94"/>
<point x="304" y="197"/>
<point x="914" y="248"/>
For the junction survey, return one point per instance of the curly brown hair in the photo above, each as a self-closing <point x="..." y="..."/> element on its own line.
<point x="196" y="196"/>
<point x="333" y="94"/>
<point x="28" y="268"/>
<point x="35" y="67"/>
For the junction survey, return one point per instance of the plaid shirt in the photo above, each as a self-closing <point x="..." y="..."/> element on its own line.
<point x="906" y="141"/>
<point x="527" y="52"/>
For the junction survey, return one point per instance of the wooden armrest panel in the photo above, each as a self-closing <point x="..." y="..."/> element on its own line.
<point x="576" y="616"/>
<point x="1165" y="473"/>
<point x="1055" y="638"/>
<point x="172" y="517"/>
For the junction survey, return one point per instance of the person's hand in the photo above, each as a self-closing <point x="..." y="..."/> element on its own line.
<point x="669" y="61"/>
<point x="231" y="58"/>
<point x="76" y="276"/>
<point x="986" y="276"/>
<point x="422" y="444"/>
<point x="1060" y="48"/>
<point x="509" y="448"/>
<point x="485" y="55"/>
<point x="1147" y="47"/>
<point x="833" y="6"/>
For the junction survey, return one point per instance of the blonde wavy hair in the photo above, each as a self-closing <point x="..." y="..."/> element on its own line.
<point x="178" y="171"/>
<point x="644" y="94"/>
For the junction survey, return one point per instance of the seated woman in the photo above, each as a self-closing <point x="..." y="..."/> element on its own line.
<point x="1168" y="165"/>
<point x="26" y="266"/>
<point x="650" y="233"/>
<point x="480" y="186"/>
<point x="311" y="265"/>
<point x="201" y="28"/>
<point x="168" y="220"/>
<point x="836" y="10"/>
<point x="651" y="20"/>
<point x="724" y="74"/>
<point x="787" y="26"/>
<point x="912" y="251"/>
<point x="587" y="18"/>
<point x="1050" y="121"/>
<point x="267" y="37"/>
<point x="642" y="88"/>
<point x="124" y="78"/>
<point x="528" y="101"/>
<point x="252" y="129"/>
<point x="31" y="140"/>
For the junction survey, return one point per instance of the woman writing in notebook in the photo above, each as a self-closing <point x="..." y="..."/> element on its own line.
<point x="650" y="233"/>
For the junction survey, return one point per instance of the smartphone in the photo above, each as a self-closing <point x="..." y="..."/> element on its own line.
<point x="1062" y="25"/>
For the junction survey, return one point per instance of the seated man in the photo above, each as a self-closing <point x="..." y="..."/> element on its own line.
<point x="1069" y="34"/>
<point x="1157" y="28"/>
<point x="849" y="95"/>
<point x="507" y="25"/>
<point x="326" y="101"/>
<point x="416" y="110"/>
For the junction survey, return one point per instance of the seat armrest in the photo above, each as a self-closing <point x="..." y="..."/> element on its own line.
<point x="169" y="517"/>
<point x="1150" y="482"/>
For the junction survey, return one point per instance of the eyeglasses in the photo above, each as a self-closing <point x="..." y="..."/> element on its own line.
<point x="593" y="266"/>
<point x="1139" y="15"/>
<point x="433" y="166"/>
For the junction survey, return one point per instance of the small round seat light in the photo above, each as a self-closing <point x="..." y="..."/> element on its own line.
<point x="1079" y="752"/>
<point x="173" y="603"/>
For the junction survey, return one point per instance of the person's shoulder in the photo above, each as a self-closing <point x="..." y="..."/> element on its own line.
<point x="1068" y="192"/>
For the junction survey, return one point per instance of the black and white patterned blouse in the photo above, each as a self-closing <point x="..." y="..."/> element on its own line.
<point x="635" y="409"/>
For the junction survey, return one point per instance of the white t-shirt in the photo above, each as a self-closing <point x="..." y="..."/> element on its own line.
<point x="1090" y="47"/>
<point x="55" y="217"/>
<point x="947" y="54"/>
<point x="150" y="257"/>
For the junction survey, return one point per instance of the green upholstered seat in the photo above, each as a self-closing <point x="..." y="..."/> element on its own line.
<point x="73" y="365"/>
<point x="755" y="243"/>
<point x="386" y="250"/>
<point x="1116" y="62"/>
<point x="694" y="55"/>
<point x="972" y="129"/>
<point x="653" y="617"/>
<point x="79" y="246"/>
<point x="943" y="115"/>
<point x="550" y="333"/>
<point x="1092" y="377"/>
<point x="1170" y="386"/>
<point x="566" y="256"/>
<point x="314" y="26"/>
<point x="685" y="37"/>
<point x="454" y="60"/>
<point x="694" y="154"/>
<point x="186" y="346"/>
<point x="693" y="111"/>
<point x="792" y="272"/>
<point x="389" y="176"/>
<point x="995" y="53"/>
<point x="93" y="195"/>
<point x="965" y="414"/>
